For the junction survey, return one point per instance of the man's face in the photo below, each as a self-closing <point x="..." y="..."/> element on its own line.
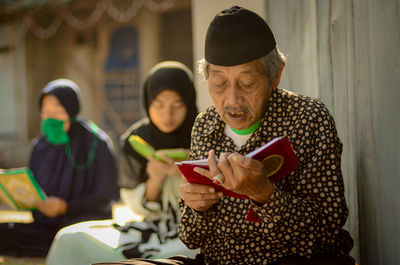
<point x="239" y="92"/>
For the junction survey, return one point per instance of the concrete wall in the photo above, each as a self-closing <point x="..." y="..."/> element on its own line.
<point x="14" y="142"/>
<point x="377" y="127"/>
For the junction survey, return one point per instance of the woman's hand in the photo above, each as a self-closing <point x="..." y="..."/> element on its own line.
<point x="171" y="168"/>
<point x="52" y="206"/>
<point x="158" y="171"/>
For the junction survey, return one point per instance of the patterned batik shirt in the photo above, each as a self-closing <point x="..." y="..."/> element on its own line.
<point x="307" y="210"/>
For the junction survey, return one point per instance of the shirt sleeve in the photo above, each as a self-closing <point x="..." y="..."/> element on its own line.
<point x="194" y="225"/>
<point x="313" y="210"/>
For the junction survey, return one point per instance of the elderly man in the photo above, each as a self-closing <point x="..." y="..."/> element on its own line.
<point x="300" y="216"/>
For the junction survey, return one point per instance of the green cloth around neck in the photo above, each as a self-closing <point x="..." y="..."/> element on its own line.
<point x="249" y="130"/>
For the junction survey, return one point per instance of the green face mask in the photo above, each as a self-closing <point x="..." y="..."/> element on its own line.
<point x="54" y="132"/>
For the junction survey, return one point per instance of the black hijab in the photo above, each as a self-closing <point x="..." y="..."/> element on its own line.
<point x="175" y="76"/>
<point x="67" y="92"/>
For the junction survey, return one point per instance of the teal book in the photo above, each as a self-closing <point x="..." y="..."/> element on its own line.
<point x="19" y="188"/>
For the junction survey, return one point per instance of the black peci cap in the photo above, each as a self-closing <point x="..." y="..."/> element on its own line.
<point x="236" y="36"/>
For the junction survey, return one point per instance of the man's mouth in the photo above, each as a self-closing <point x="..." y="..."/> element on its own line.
<point x="236" y="115"/>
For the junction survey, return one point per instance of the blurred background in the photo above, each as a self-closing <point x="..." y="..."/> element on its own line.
<point x="345" y="52"/>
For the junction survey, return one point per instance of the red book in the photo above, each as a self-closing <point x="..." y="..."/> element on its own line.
<point x="277" y="155"/>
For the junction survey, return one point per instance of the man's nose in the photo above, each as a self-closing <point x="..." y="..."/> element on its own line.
<point x="233" y="95"/>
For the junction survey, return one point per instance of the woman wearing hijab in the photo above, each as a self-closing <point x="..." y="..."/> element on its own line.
<point x="170" y="104"/>
<point x="73" y="163"/>
<point x="149" y="187"/>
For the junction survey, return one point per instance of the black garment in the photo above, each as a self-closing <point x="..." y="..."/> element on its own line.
<point x="88" y="193"/>
<point x="165" y="76"/>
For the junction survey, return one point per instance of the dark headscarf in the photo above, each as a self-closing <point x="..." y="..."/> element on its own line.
<point x="89" y="190"/>
<point x="67" y="92"/>
<point x="170" y="75"/>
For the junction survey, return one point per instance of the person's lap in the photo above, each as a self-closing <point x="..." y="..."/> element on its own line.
<point x="98" y="241"/>
<point x="25" y="239"/>
<point x="78" y="244"/>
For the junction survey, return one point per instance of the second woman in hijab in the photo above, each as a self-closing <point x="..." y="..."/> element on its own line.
<point x="149" y="187"/>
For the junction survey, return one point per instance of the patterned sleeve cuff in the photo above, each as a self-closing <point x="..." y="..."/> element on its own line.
<point x="274" y="208"/>
<point x="195" y="218"/>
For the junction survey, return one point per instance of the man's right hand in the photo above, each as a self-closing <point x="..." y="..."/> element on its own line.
<point x="199" y="197"/>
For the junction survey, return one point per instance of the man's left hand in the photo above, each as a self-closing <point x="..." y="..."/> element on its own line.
<point x="242" y="175"/>
<point x="247" y="176"/>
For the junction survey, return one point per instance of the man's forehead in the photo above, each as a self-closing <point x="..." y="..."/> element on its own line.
<point x="253" y="67"/>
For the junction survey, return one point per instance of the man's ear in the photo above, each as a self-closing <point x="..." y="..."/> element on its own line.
<point x="278" y="78"/>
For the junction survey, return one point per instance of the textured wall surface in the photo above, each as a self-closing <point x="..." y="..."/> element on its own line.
<point x="347" y="54"/>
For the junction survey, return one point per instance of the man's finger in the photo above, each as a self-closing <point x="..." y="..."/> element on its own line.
<point x="196" y="188"/>
<point x="203" y="196"/>
<point x="224" y="166"/>
<point x="212" y="163"/>
<point x="245" y="162"/>
<point x="202" y="171"/>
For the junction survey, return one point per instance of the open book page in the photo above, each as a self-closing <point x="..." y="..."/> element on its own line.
<point x="278" y="157"/>
<point x="21" y="188"/>
<point x="5" y="197"/>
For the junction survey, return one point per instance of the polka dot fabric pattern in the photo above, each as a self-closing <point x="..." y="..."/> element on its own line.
<point x="306" y="213"/>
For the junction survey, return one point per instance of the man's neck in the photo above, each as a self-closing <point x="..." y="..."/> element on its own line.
<point x="240" y="137"/>
<point x="249" y="130"/>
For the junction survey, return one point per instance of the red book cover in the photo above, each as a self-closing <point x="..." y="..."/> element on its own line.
<point x="277" y="155"/>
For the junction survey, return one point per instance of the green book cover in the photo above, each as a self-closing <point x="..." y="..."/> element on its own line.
<point x="19" y="188"/>
<point x="145" y="149"/>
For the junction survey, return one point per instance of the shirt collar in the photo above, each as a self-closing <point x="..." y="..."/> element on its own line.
<point x="214" y="124"/>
